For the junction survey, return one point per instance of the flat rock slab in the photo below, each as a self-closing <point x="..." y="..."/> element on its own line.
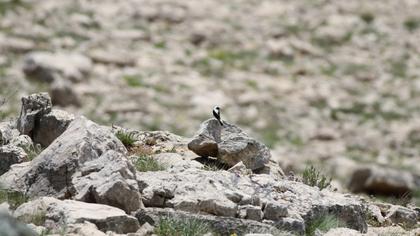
<point x="73" y="212"/>
<point x="223" y="193"/>
<point x="218" y="224"/>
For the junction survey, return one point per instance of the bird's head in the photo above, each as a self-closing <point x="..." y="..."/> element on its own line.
<point x="216" y="108"/>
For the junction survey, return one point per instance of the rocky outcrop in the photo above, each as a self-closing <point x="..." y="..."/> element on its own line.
<point x="218" y="224"/>
<point x="110" y="180"/>
<point x="281" y="203"/>
<point x="229" y="144"/>
<point x="46" y="67"/>
<point x="39" y="121"/>
<point x="74" y="212"/>
<point x="51" y="172"/>
<point x="86" y="162"/>
<point x="63" y="94"/>
<point x="6" y="132"/>
<point x="51" y="126"/>
<point x="381" y="180"/>
<point x="33" y="108"/>
<point x="9" y="155"/>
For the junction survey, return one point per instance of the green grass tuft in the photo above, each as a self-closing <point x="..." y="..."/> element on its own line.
<point x="215" y="166"/>
<point x="324" y="224"/>
<point x="127" y="138"/>
<point x="33" y="151"/>
<point x="367" y="17"/>
<point x="14" y="198"/>
<point x="133" y="81"/>
<point x="181" y="227"/>
<point x="411" y="24"/>
<point x="148" y="163"/>
<point x="312" y="177"/>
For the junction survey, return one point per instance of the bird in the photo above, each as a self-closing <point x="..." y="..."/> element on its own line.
<point x="216" y="114"/>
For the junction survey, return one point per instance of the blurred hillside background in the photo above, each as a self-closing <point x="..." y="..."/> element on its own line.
<point x="332" y="83"/>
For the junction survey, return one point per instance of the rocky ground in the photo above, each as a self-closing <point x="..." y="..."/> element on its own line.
<point x="332" y="84"/>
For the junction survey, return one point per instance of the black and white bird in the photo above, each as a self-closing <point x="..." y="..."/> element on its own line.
<point x="216" y="114"/>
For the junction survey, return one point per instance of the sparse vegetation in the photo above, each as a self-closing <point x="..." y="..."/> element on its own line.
<point x="148" y="163"/>
<point x="181" y="227"/>
<point x="367" y="17"/>
<point x="133" y="81"/>
<point x="215" y="166"/>
<point x="14" y="198"/>
<point x="127" y="138"/>
<point x="411" y="24"/>
<point x="323" y="224"/>
<point x="312" y="177"/>
<point x="33" y="151"/>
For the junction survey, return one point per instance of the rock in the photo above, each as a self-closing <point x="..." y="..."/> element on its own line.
<point x="205" y="141"/>
<point x="23" y="141"/>
<point x="402" y="216"/>
<point x="103" y="216"/>
<point x="32" y="209"/>
<point x="220" y="225"/>
<point x="33" y="108"/>
<point x="63" y="93"/>
<point x="9" y="155"/>
<point x="11" y="227"/>
<point x="86" y="163"/>
<point x="17" y="45"/>
<point x="274" y="211"/>
<point x="50" y="126"/>
<point x="380" y="180"/>
<point x="75" y="212"/>
<point x="217" y="207"/>
<point x="341" y="232"/>
<point x="251" y="212"/>
<point x="46" y="66"/>
<point x="229" y="144"/>
<point x="145" y="229"/>
<point x="291" y="204"/>
<point x="239" y="168"/>
<point x="51" y="173"/>
<point x="111" y="180"/>
<point x="177" y="161"/>
<point x="6" y="133"/>
<point x="117" y="58"/>
<point x="14" y="179"/>
<point x="84" y="229"/>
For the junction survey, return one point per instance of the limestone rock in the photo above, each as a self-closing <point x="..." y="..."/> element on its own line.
<point x="229" y="144"/>
<point x="111" y="180"/>
<point x="290" y="204"/>
<point x="380" y="180"/>
<point x="45" y="66"/>
<point x="14" y="179"/>
<point x="6" y="133"/>
<point x="275" y="211"/>
<point x="402" y="216"/>
<point x="84" y="229"/>
<point x="219" y="224"/>
<point x="251" y="212"/>
<point x="23" y="141"/>
<point x="52" y="171"/>
<point x="63" y="93"/>
<point x="205" y="141"/>
<point x="51" y="125"/>
<point x="9" y="155"/>
<point x="74" y="212"/>
<point x="33" y="108"/>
